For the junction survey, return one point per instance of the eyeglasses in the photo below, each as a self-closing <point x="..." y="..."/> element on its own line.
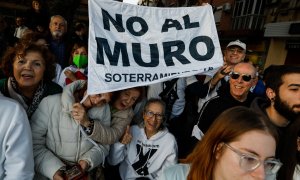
<point x="251" y="162"/>
<point x="235" y="50"/>
<point x="151" y="114"/>
<point x="245" y="77"/>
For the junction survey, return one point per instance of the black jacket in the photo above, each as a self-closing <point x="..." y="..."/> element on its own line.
<point x="216" y="105"/>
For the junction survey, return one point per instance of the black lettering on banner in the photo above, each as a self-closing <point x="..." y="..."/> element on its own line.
<point x="177" y="46"/>
<point x="209" y="45"/>
<point x="137" y="55"/>
<point x="129" y="25"/>
<point x="117" y="23"/>
<point x="132" y="78"/>
<point x="112" y="57"/>
<point x="135" y="77"/>
<point x="148" y="77"/>
<point x="188" y="24"/>
<point x="117" y="77"/>
<point x="164" y="75"/>
<point x="108" y="77"/>
<point x="125" y="77"/>
<point x="140" y="77"/>
<point x="171" y="23"/>
<point x="155" y="77"/>
<point x="168" y="54"/>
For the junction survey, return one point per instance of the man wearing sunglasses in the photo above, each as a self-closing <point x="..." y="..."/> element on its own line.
<point x="242" y="78"/>
<point x="207" y="87"/>
<point x="234" y="53"/>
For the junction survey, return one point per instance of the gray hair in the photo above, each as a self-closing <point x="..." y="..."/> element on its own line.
<point x="59" y="16"/>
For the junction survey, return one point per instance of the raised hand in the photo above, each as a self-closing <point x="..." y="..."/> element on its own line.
<point x="79" y="115"/>
<point x="126" y="138"/>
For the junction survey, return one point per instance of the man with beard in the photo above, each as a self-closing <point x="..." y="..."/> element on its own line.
<point x="282" y="104"/>
<point x="58" y="43"/>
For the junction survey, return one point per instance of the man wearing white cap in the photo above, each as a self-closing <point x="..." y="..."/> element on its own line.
<point x="235" y="53"/>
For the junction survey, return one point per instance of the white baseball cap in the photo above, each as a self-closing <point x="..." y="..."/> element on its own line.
<point x="237" y="43"/>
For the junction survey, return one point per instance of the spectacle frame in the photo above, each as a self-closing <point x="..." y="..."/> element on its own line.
<point x="151" y="114"/>
<point x="250" y="162"/>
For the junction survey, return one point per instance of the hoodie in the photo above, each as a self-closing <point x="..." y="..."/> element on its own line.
<point x="144" y="157"/>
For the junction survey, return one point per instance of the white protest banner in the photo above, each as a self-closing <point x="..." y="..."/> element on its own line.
<point x="133" y="45"/>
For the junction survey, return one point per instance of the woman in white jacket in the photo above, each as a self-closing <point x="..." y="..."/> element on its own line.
<point x="145" y="150"/>
<point x="58" y="138"/>
<point x="16" y="158"/>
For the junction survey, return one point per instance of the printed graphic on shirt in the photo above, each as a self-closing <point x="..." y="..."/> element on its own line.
<point x="140" y="166"/>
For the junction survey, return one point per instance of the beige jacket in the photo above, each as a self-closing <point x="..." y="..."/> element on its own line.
<point x="110" y="135"/>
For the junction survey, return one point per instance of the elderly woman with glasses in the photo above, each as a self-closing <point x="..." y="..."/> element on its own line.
<point x="145" y="150"/>
<point x="239" y="145"/>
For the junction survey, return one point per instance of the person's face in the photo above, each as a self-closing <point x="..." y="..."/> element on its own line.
<point x="57" y="27"/>
<point x="255" y="142"/>
<point x="96" y="100"/>
<point x="287" y="103"/>
<point x="126" y="99"/>
<point x="80" y="51"/>
<point x="234" y="55"/>
<point x="153" y="117"/>
<point x="19" y="21"/>
<point x="36" y="5"/>
<point x="239" y="88"/>
<point x="29" y="70"/>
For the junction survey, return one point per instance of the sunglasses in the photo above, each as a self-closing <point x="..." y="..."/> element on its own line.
<point x="245" y="77"/>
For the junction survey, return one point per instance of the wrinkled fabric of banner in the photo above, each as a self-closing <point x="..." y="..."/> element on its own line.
<point x="132" y="45"/>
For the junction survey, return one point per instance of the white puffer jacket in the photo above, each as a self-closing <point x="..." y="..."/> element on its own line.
<point x="57" y="136"/>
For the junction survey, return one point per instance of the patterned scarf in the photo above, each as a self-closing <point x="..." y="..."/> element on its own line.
<point x="37" y="97"/>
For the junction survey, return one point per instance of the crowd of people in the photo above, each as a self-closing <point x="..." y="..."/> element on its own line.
<point x="224" y="126"/>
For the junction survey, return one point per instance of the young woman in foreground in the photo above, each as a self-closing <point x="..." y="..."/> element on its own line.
<point x="240" y="145"/>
